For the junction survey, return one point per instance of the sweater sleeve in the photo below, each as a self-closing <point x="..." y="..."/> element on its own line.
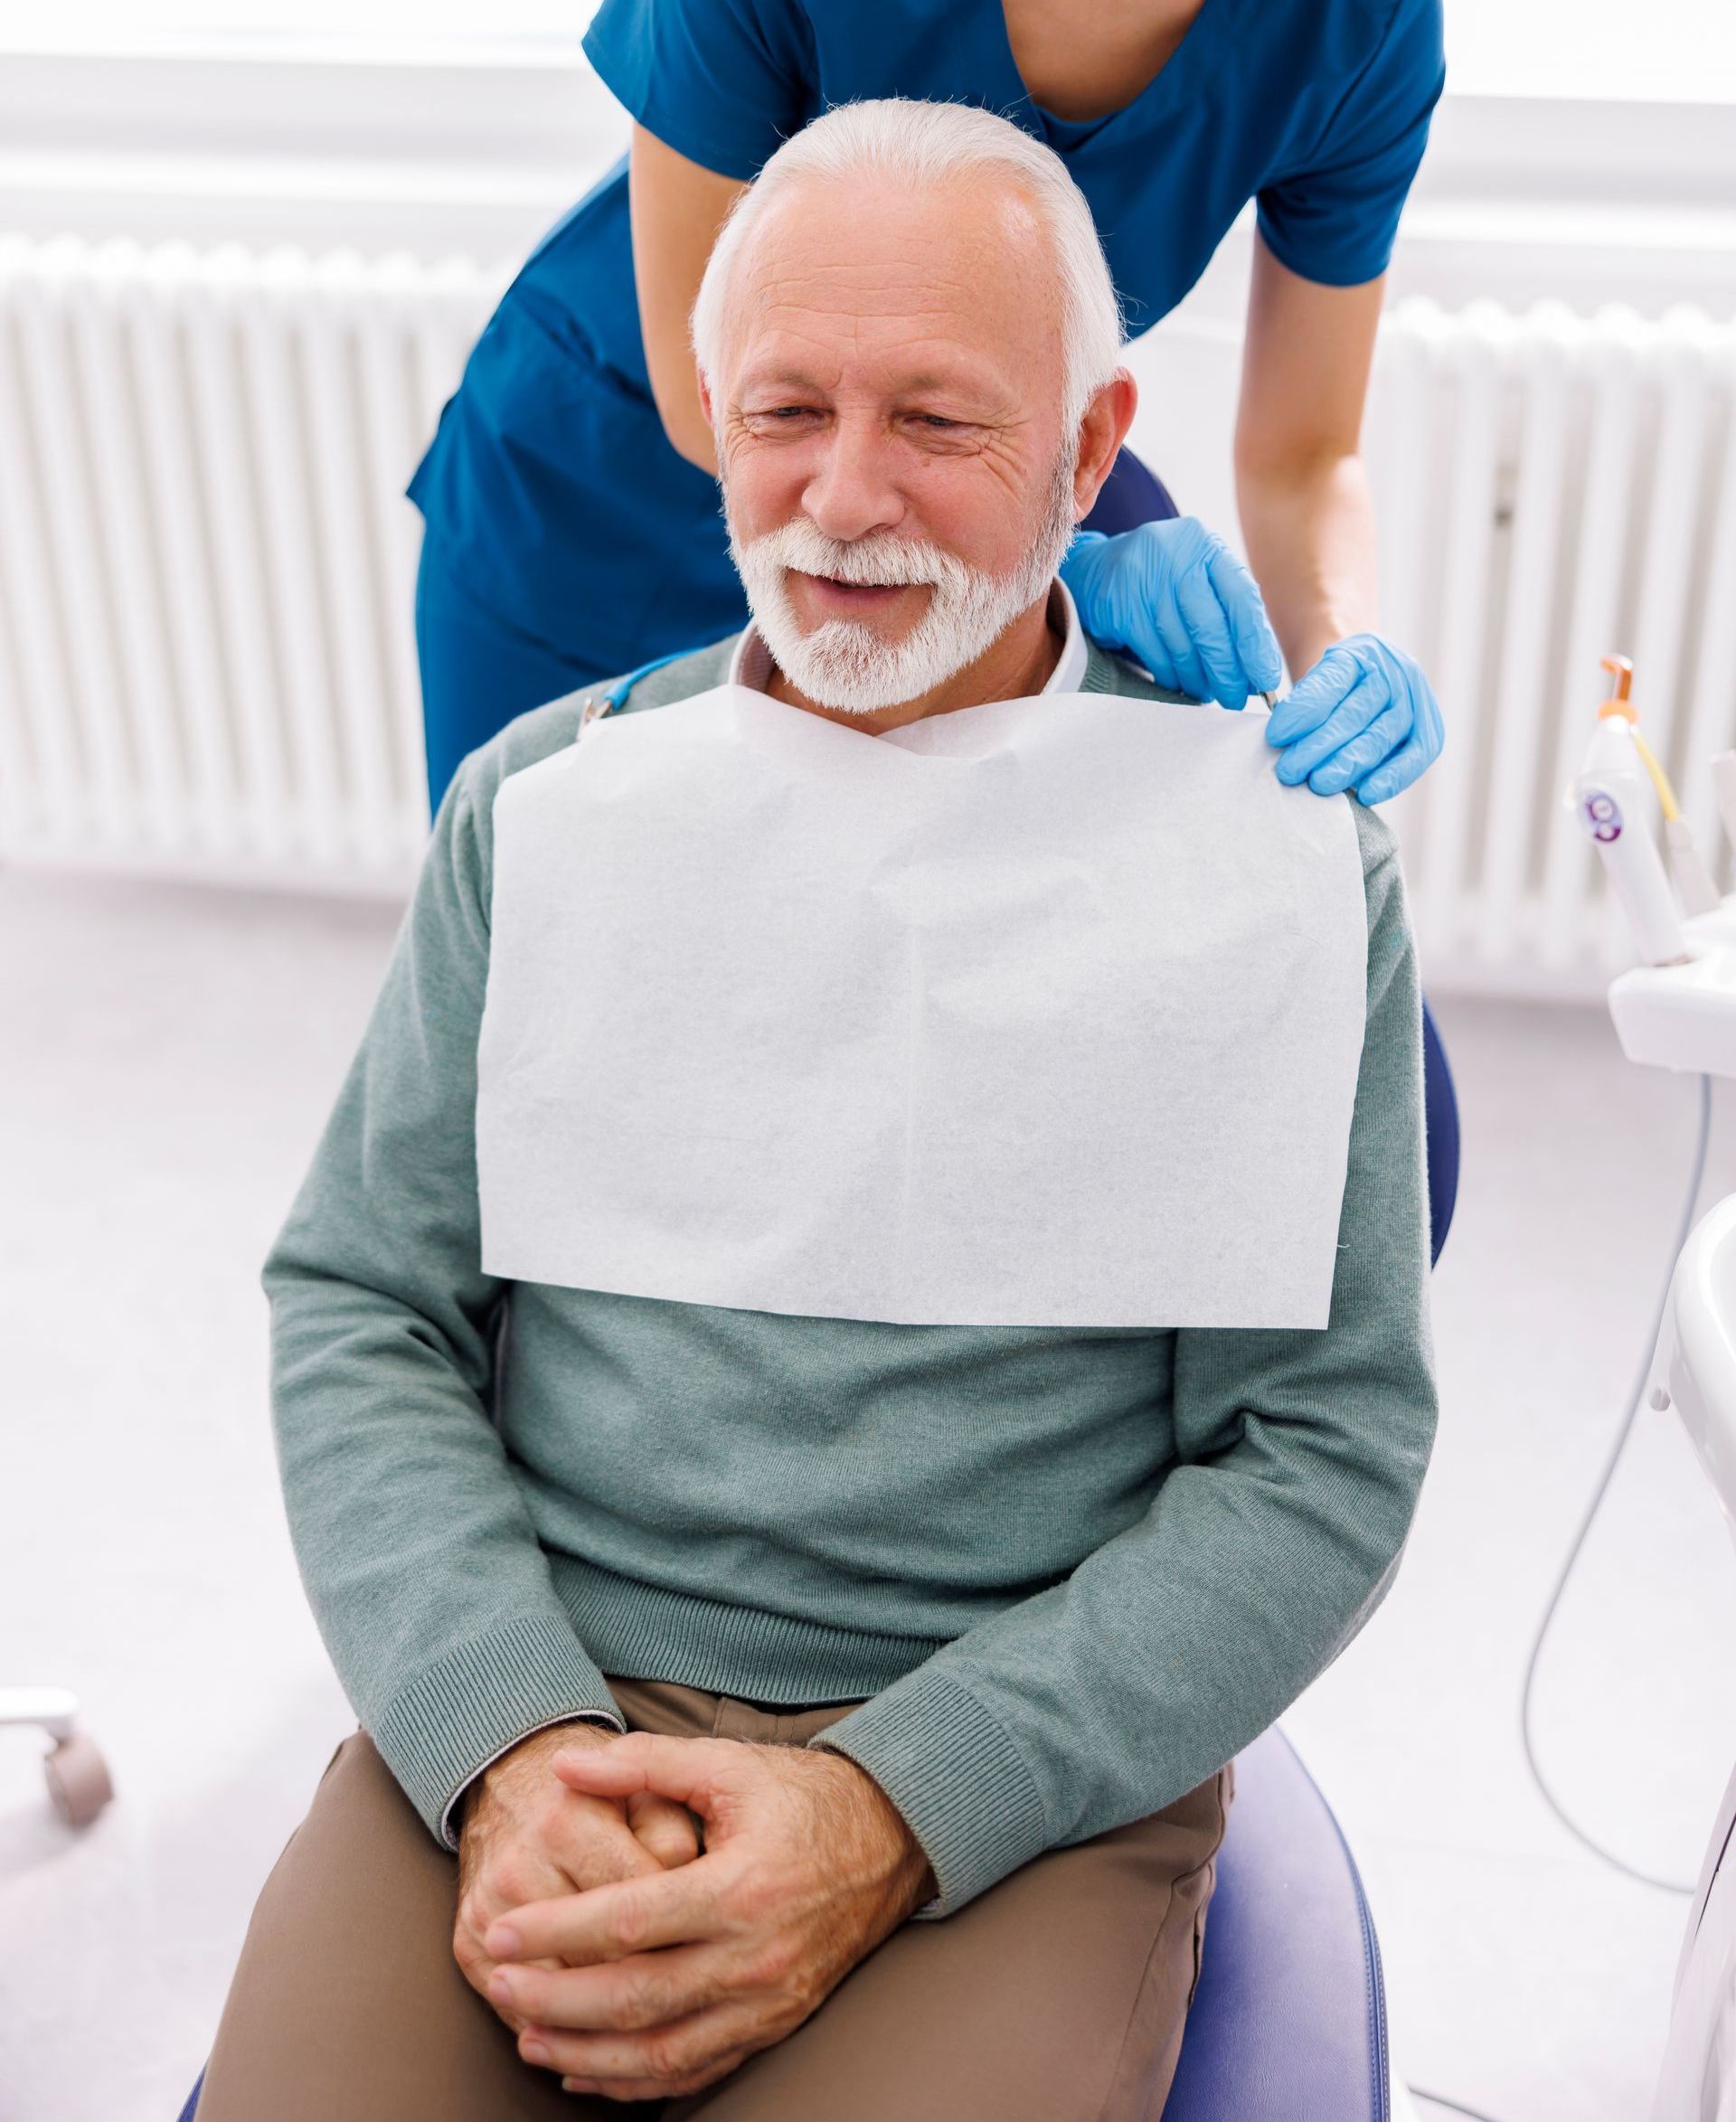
<point x="1274" y="1536"/>
<point x="420" y="1559"/>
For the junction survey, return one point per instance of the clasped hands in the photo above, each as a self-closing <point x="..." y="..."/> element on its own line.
<point x="641" y="1959"/>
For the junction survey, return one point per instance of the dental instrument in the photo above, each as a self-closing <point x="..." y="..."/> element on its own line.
<point x="1693" y="879"/>
<point x="1609" y="796"/>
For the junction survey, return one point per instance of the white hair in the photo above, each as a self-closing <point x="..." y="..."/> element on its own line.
<point x="919" y="144"/>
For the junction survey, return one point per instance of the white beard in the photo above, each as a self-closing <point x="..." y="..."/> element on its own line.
<point x="844" y="663"/>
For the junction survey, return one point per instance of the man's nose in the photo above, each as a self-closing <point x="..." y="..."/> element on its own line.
<point x="851" y="491"/>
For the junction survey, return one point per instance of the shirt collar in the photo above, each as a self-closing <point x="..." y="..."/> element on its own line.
<point x="750" y="664"/>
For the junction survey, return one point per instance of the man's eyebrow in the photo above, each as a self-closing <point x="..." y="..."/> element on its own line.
<point x="790" y="375"/>
<point x="937" y="380"/>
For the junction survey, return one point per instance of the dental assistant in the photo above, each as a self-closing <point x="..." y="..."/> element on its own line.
<point x="572" y="528"/>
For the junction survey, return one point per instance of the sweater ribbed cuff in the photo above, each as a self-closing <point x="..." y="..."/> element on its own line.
<point x="958" y="1780"/>
<point x="464" y="1712"/>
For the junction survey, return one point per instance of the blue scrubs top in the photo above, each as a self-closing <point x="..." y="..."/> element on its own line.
<point x="555" y="505"/>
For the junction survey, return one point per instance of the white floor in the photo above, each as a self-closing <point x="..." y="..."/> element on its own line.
<point x="167" y="1057"/>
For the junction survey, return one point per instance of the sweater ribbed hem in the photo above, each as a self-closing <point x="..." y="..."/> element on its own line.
<point x="956" y="1777"/>
<point x="464" y="1712"/>
<point x="645" y="1632"/>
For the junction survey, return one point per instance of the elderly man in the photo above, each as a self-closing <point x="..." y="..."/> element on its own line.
<point x="824" y="1669"/>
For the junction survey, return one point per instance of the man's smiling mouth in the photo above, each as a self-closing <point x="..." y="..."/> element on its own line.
<point x="857" y="595"/>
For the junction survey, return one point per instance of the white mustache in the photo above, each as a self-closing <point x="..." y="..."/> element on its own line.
<point x="880" y="562"/>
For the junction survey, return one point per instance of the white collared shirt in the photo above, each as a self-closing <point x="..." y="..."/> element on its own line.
<point x="751" y="663"/>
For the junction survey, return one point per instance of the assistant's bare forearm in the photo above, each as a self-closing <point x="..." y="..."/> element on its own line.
<point x="1308" y="518"/>
<point x="1310" y="532"/>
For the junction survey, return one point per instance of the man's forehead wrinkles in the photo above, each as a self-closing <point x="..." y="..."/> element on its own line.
<point x="913" y="339"/>
<point x="854" y="283"/>
<point x="924" y="353"/>
<point x="845" y="336"/>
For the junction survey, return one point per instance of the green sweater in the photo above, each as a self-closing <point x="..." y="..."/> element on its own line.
<point x="1072" y="1572"/>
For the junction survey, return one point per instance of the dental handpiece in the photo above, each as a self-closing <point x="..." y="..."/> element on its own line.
<point x="1610" y="793"/>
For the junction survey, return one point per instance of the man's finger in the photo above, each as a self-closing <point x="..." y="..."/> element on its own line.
<point x="608" y="1922"/>
<point x="660" y="2058"/>
<point x="594" y="1846"/>
<point x="683" y="1769"/>
<point x="668" y="1831"/>
<point x="618" y="1996"/>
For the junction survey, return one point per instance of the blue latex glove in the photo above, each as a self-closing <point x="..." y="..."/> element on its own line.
<point x="1173" y="596"/>
<point x="1364" y="717"/>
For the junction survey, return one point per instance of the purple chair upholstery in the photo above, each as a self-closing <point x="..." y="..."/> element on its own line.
<point x="1288" y="2024"/>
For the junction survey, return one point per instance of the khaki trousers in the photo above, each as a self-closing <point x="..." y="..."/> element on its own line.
<point x="1058" y="1996"/>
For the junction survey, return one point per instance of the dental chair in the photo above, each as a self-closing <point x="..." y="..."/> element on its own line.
<point x="1288" y="2019"/>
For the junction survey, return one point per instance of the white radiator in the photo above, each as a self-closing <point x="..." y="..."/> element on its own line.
<point x="207" y="662"/>
<point x="206" y="570"/>
<point x="1551" y="488"/>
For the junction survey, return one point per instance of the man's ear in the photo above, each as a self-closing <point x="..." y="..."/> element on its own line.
<point x="1102" y="429"/>
<point x="705" y="398"/>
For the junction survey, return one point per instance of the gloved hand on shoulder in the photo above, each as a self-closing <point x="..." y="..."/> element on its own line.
<point x="1174" y="597"/>
<point x="1364" y="717"/>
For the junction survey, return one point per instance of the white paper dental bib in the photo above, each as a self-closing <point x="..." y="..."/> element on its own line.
<point x="1044" y="1012"/>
